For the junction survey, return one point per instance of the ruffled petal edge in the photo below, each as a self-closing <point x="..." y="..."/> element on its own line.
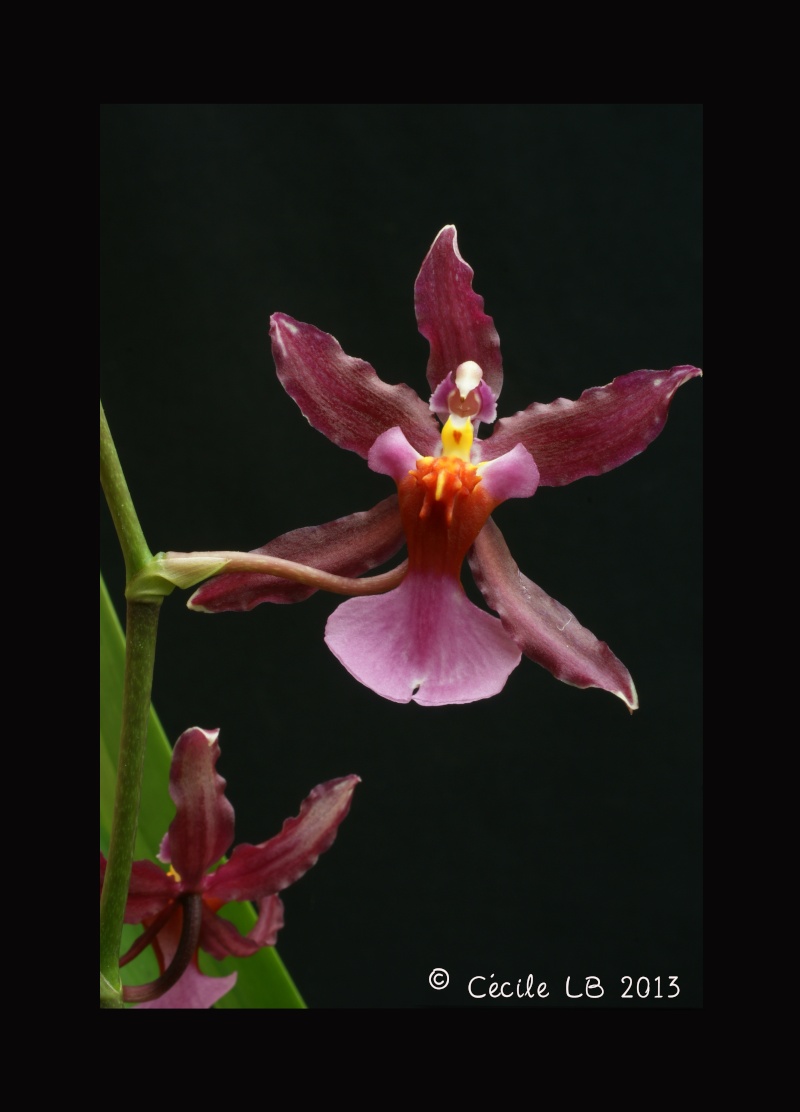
<point x="343" y="397"/>
<point x="451" y="318"/>
<point x="203" y="827"/>
<point x="254" y="872"/>
<point x="545" y="631"/>
<point x="604" y="428"/>
<point x="221" y="938"/>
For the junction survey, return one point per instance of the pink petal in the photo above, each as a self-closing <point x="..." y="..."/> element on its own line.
<point x="392" y="455"/>
<point x="514" y="475"/>
<point x="221" y="938"/>
<point x="254" y="872"/>
<point x="343" y="397"/>
<point x="451" y="318"/>
<point x="193" y="990"/>
<point x="348" y="546"/>
<point x="604" y="428"/>
<point x="423" y="641"/>
<point x="544" y="629"/>
<point x="203" y="827"/>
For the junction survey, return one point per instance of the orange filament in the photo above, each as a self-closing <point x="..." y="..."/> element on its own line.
<point x="443" y="507"/>
<point x="444" y="480"/>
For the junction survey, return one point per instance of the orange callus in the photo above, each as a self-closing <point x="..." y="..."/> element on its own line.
<point x="443" y="506"/>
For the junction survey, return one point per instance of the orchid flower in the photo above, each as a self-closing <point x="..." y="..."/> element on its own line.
<point x="179" y="908"/>
<point x="425" y="640"/>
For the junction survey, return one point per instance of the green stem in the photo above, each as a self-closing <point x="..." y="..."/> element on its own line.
<point x="131" y="538"/>
<point x="140" y="651"/>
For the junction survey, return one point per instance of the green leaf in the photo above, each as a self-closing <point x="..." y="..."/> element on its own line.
<point x="263" y="980"/>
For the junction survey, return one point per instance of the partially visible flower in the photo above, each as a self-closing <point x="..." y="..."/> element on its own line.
<point x="192" y="989"/>
<point x="425" y="640"/>
<point x="179" y="908"/>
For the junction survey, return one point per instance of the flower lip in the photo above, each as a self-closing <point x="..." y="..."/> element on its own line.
<point x="423" y="641"/>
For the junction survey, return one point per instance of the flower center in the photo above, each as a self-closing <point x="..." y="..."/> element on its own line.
<point x="443" y="508"/>
<point x="465" y="399"/>
<point x="444" y="480"/>
<point x="464" y="396"/>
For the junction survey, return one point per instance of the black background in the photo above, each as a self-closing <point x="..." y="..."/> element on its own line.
<point x="544" y="831"/>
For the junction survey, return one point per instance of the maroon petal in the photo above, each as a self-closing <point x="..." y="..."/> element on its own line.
<point x="451" y="318"/>
<point x="254" y="872"/>
<point x="343" y="397"/>
<point x="222" y="939"/>
<point x="202" y="828"/>
<point x="149" y="891"/>
<point x="604" y="428"/>
<point x="544" y="629"/>
<point x="348" y="546"/>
